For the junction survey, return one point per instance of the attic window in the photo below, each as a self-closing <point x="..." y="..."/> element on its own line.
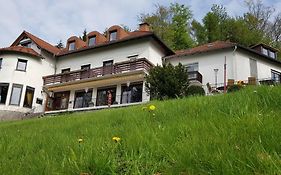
<point x="113" y="35"/>
<point x="27" y="44"/>
<point x="92" y="40"/>
<point x="271" y="54"/>
<point x="71" y="45"/>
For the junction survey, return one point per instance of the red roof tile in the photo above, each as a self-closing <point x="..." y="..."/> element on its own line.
<point x="41" y="43"/>
<point x="21" y="50"/>
<point x="204" y="48"/>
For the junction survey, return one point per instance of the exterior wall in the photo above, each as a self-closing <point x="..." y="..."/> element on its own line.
<point x="95" y="57"/>
<point x="238" y="65"/>
<point x="209" y="61"/>
<point x="263" y="67"/>
<point x="36" y="68"/>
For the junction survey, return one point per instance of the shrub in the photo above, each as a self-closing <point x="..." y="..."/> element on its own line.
<point x="167" y="81"/>
<point x="234" y="88"/>
<point x="194" y="90"/>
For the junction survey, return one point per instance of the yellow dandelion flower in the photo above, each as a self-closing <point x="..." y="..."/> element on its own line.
<point x="116" y="139"/>
<point x="80" y="140"/>
<point x="152" y="107"/>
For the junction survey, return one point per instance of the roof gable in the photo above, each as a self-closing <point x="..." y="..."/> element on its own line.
<point x="41" y="43"/>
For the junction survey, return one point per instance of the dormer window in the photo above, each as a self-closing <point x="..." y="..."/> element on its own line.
<point x="264" y="51"/>
<point x="71" y="46"/>
<point x="113" y="35"/>
<point x="27" y="45"/>
<point x="271" y="54"/>
<point x="92" y="40"/>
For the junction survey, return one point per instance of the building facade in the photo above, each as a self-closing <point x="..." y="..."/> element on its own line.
<point x="105" y="70"/>
<point x="221" y="62"/>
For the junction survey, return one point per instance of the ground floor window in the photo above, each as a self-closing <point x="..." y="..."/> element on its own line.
<point x="275" y="76"/>
<point x="3" y="92"/>
<point x="16" y="94"/>
<point x="60" y="100"/>
<point x="83" y="98"/>
<point x="106" y="96"/>
<point x="28" y="98"/>
<point x="132" y="93"/>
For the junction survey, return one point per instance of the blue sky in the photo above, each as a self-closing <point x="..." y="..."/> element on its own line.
<point x="53" y="20"/>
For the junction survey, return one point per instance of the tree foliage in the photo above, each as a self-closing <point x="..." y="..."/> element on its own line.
<point x="171" y="24"/>
<point x="167" y="81"/>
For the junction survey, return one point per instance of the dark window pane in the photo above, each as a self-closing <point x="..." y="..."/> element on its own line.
<point x="3" y="92"/>
<point x="1" y="60"/>
<point x="106" y="96"/>
<point x="28" y="98"/>
<point x="82" y="99"/>
<point x="131" y="94"/>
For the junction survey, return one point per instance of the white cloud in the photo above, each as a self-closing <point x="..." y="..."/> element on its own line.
<point x="53" y="20"/>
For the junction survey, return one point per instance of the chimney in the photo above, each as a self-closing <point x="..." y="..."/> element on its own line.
<point x="144" y="27"/>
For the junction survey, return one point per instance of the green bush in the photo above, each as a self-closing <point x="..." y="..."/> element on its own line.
<point x="234" y="88"/>
<point x="194" y="90"/>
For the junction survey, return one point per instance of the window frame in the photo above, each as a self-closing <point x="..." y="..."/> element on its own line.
<point x="28" y="88"/>
<point x="65" y="70"/>
<point x="18" y="86"/>
<point x="86" y="67"/>
<point x="95" y="41"/>
<point x="110" y="35"/>
<point x="21" y="60"/>
<point x="4" y="85"/>
<point x="70" y="43"/>
<point x="1" y="62"/>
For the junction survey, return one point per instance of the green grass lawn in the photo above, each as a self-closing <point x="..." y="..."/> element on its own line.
<point x="237" y="133"/>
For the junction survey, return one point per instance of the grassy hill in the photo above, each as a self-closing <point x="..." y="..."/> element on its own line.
<point x="237" y="133"/>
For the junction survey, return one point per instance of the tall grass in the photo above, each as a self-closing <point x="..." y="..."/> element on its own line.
<point x="237" y="133"/>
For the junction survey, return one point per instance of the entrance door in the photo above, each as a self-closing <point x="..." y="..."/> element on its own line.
<point x="253" y="68"/>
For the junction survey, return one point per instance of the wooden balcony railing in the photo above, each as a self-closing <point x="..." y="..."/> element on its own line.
<point x="194" y="75"/>
<point x="117" y="68"/>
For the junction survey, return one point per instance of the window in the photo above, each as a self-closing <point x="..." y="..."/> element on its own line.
<point x="92" y="41"/>
<point x="39" y="101"/>
<point x="83" y="98"/>
<point x="28" y="44"/>
<point x="253" y="68"/>
<point x="21" y="65"/>
<point x="106" y="96"/>
<point x="107" y="67"/>
<point x="16" y="94"/>
<point x="271" y="54"/>
<point x="192" y="70"/>
<point x="112" y="35"/>
<point x="28" y="98"/>
<point x="275" y="76"/>
<point x="65" y="70"/>
<point x="1" y="60"/>
<point x="71" y="46"/>
<point x="132" y="93"/>
<point x="3" y="92"/>
<point x="264" y="51"/>
<point x="86" y="67"/>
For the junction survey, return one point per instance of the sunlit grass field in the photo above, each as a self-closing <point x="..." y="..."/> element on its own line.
<point x="237" y="133"/>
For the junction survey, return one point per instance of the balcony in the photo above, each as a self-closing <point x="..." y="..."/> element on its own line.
<point x="117" y="68"/>
<point x="194" y="76"/>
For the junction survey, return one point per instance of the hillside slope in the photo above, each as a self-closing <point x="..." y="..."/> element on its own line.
<point x="237" y="133"/>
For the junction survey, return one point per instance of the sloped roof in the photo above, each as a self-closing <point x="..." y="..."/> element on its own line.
<point x="20" y="49"/>
<point x="204" y="48"/>
<point x="132" y="36"/>
<point x="41" y="43"/>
